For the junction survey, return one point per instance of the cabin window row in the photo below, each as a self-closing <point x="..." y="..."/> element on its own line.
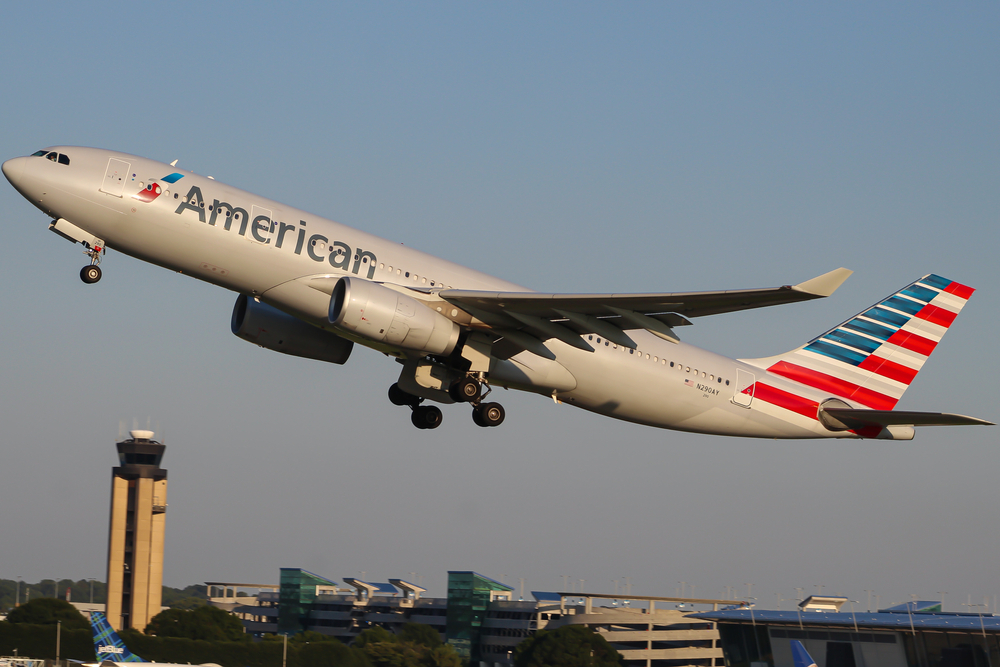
<point x="663" y="362"/>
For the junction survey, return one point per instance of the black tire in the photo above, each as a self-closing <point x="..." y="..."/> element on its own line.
<point x="427" y="417"/>
<point x="477" y="419"/>
<point x="465" y="390"/>
<point x="90" y="274"/>
<point x="491" y="414"/>
<point x="399" y="397"/>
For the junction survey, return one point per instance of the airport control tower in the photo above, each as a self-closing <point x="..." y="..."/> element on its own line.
<point x="135" y="540"/>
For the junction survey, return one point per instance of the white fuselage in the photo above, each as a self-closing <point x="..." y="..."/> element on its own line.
<point x="269" y="245"/>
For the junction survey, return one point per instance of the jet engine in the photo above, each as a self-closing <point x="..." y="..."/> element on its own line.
<point x="276" y="330"/>
<point x="384" y="315"/>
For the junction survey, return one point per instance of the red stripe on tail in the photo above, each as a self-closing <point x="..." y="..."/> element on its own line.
<point x="936" y="315"/>
<point x="912" y="342"/>
<point x="959" y="290"/>
<point x="834" y="385"/>
<point x="889" y="369"/>
<point x="783" y="399"/>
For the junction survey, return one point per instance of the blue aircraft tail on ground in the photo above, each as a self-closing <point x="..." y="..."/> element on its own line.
<point x="801" y="656"/>
<point x="107" y="644"/>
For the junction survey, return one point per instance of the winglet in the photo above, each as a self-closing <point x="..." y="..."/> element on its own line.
<point x="826" y="284"/>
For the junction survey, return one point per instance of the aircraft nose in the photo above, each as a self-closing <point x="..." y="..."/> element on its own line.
<point x="13" y="168"/>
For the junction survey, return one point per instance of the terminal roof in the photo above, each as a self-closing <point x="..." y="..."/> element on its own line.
<point x="882" y="620"/>
<point x="407" y="587"/>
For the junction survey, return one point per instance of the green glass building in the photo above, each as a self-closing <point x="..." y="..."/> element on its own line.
<point x="296" y="597"/>
<point x="469" y="595"/>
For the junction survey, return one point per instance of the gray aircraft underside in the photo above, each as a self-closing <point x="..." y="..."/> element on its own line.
<point x="312" y="287"/>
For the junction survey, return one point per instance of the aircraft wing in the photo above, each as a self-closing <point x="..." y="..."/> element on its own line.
<point x="566" y="316"/>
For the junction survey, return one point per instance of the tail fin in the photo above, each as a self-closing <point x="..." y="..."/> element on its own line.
<point x="871" y="358"/>
<point x="800" y="656"/>
<point x="107" y="644"/>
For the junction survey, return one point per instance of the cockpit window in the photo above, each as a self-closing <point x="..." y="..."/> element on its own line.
<point x="52" y="155"/>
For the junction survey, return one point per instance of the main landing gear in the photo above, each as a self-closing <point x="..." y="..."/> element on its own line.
<point x="470" y="390"/>
<point x="464" y="390"/>
<point x="92" y="272"/>
<point x="423" y="416"/>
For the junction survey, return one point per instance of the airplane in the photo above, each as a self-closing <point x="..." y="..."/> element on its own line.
<point x="111" y="650"/>
<point x="800" y="655"/>
<point x="313" y="288"/>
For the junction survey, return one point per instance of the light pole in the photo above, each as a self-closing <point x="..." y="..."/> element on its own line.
<point x="91" y="590"/>
<point x="17" y="600"/>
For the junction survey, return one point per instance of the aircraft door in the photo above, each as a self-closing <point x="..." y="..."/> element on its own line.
<point x="261" y="225"/>
<point x="744" y="388"/>
<point x="114" y="177"/>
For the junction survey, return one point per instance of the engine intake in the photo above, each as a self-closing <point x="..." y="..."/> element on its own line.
<point x="276" y="330"/>
<point x="384" y="315"/>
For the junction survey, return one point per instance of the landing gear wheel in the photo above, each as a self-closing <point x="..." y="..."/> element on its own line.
<point x="399" y="397"/>
<point x="465" y="390"/>
<point x="488" y="414"/>
<point x="90" y="274"/>
<point x="428" y="416"/>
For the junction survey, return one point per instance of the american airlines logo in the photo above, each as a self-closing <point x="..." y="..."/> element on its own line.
<point x="109" y="649"/>
<point x="263" y="229"/>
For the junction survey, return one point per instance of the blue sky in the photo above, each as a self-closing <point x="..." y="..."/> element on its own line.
<point x="566" y="147"/>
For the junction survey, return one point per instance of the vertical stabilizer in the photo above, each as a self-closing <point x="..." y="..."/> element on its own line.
<point x="801" y="656"/>
<point x="107" y="644"/>
<point x="872" y="358"/>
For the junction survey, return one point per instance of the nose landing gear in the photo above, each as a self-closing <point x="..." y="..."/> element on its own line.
<point x="92" y="273"/>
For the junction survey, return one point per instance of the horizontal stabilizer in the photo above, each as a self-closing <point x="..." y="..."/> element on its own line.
<point x="852" y="417"/>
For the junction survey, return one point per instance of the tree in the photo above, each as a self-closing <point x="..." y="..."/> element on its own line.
<point x="417" y="645"/>
<point x="420" y="633"/>
<point x="568" y="646"/>
<point x="48" y="611"/>
<point x="203" y="622"/>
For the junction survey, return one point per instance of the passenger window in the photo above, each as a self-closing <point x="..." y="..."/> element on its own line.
<point x="407" y="274"/>
<point x="63" y="159"/>
<point x="727" y="383"/>
<point x="671" y="364"/>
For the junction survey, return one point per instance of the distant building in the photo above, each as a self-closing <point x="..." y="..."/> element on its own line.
<point x="480" y="617"/>
<point x="915" y="634"/>
<point x="135" y="539"/>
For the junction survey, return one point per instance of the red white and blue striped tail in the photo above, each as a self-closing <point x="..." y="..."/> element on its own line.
<point x="872" y="358"/>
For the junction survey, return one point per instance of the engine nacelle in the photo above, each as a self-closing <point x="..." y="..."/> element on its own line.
<point x="387" y="316"/>
<point x="276" y="330"/>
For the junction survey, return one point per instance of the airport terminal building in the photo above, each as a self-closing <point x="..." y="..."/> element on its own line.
<point x="480" y="616"/>
<point x="915" y="634"/>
